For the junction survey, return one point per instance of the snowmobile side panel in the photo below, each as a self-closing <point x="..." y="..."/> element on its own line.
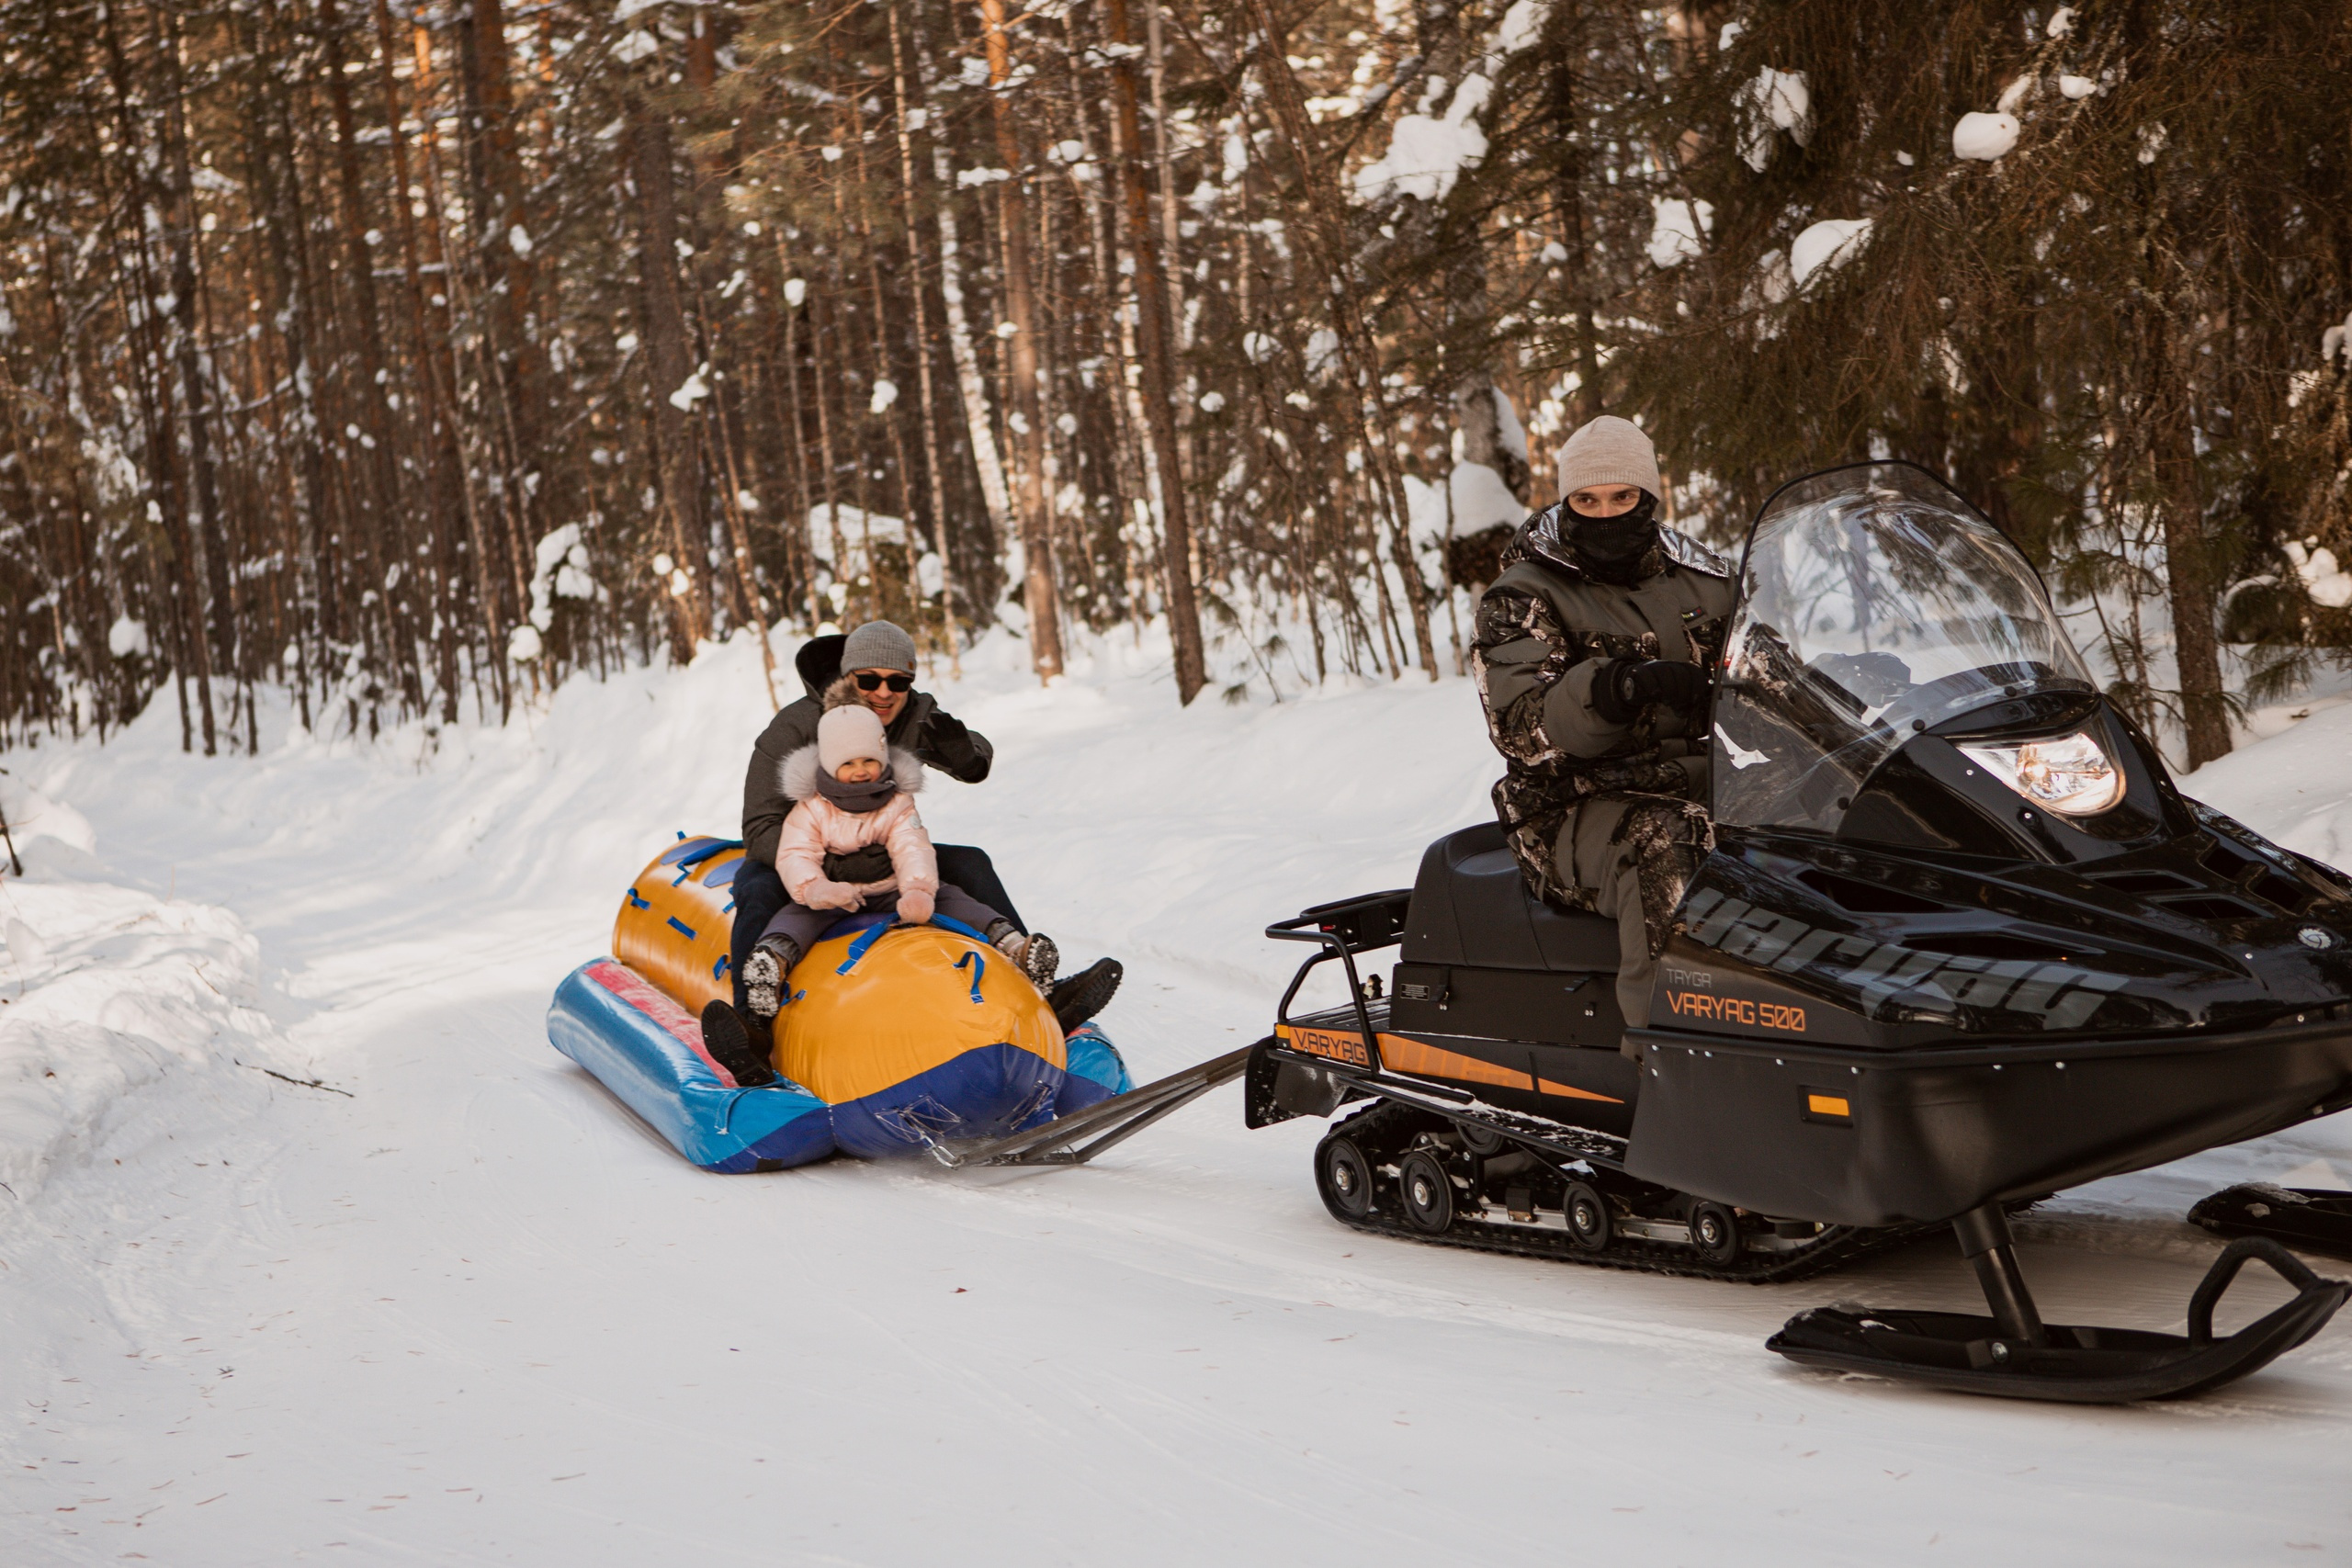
<point x="1930" y="1133"/>
<point x="1551" y="1006"/>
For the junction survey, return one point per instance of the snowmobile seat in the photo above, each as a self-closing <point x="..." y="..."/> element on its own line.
<point x="1472" y="908"/>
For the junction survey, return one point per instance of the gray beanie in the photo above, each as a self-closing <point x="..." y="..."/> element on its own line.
<point x="879" y="645"/>
<point x="1607" y="451"/>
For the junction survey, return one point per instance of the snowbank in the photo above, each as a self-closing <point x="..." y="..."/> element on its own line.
<point x="104" y="991"/>
<point x="2290" y="787"/>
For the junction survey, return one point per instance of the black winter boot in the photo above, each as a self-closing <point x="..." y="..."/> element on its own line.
<point x="1086" y="993"/>
<point x="730" y="1042"/>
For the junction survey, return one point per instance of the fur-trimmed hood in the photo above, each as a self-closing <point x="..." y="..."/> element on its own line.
<point x="797" y="773"/>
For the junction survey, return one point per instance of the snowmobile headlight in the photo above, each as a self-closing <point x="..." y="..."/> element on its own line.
<point x="2068" y="773"/>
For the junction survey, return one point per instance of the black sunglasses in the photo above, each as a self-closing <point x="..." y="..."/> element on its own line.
<point x="869" y="682"/>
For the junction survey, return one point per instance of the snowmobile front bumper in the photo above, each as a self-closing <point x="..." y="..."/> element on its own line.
<point x="1855" y="1137"/>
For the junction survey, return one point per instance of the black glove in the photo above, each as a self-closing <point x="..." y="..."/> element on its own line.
<point x="1629" y="685"/>
<point x="941" y="741"/>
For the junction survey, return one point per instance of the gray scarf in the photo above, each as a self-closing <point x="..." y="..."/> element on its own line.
<point x="859" y="798"/>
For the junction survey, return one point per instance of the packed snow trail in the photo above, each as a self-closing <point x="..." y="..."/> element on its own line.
<point x="474" y="1313"/>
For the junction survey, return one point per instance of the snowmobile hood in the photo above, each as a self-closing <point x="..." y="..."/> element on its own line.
<point x="1930" y="823"/>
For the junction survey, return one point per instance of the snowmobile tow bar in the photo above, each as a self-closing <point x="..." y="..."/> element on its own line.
<point x="1080" y="1136"/>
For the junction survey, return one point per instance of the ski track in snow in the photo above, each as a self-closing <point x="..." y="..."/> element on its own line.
<point x="477" y="1314"/>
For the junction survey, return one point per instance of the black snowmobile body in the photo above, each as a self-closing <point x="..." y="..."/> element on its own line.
<point x="1961" y="944"/>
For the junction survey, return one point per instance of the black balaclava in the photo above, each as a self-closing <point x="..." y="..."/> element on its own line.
<point x="859" y="798"/>
<point x="1616" y="550"/>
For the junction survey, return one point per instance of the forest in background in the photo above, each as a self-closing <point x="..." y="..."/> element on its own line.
<point x="410" y="358"/>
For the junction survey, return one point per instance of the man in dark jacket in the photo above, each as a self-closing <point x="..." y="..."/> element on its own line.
<point x="1593" y="653"/>
<point x="878" y="661"/>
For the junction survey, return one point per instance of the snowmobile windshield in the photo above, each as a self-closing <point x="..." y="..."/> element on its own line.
<point x="1874" y="604"/>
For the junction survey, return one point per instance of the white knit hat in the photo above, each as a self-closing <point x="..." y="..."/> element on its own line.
<point x="1608" y="451"/>
<point x="847" y="733"/>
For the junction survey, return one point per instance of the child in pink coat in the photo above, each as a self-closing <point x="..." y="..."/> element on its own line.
<point x="853" y="841"/>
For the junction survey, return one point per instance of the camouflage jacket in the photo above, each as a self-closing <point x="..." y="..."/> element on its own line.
<point x="1543" y="631"/>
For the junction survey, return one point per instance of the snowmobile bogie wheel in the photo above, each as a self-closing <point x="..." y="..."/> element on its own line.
<point x="1714" y="1230"/>
<point x="1587" y="1213"/>
<point x="1346" y="1177"/>
<point x="1427" y="1193"/>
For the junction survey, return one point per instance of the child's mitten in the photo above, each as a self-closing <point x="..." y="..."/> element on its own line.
<point x="914" y="905"/>
<point x="826" y="894"/>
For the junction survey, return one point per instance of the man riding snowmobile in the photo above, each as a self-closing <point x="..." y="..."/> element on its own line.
<point x="1593" y="654"/>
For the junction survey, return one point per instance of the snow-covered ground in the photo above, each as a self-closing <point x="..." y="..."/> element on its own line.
<point x="454" y="1306"/>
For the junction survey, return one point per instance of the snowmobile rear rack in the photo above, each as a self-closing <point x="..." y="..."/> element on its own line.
<point x="1344" y="927"/>
<point x="1060" y="1141"/>
<point x="2014" y="1354"/>
<point x="2313" y="1218"/>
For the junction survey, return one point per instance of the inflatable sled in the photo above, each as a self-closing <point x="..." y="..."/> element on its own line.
<point x="898" y="1039"/>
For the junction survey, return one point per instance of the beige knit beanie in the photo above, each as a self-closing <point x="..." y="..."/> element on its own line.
<point x="846" y="733"/>
<point x="1608" y="451"/>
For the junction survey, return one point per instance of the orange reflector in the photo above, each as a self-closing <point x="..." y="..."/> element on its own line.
<point x="1828" y="1105"/>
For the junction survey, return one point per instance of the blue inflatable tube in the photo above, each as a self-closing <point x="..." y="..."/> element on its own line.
<point x="648" y="1050"/>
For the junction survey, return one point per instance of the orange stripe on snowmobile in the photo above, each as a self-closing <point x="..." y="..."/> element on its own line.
<point x="1548" y="1087"/>
<point x="1403" y="1054"/>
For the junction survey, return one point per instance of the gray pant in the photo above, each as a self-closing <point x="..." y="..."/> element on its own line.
<point x="1607" y="869"/>
<point x="801" y="926"/>
<point x="1634" y="856"/>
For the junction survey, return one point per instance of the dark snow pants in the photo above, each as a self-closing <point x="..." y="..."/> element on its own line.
<point x="759" y="894"/>
<point x="801" y="925"/>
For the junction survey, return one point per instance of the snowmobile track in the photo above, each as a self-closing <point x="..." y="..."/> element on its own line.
<point x="1833" y="1248"/>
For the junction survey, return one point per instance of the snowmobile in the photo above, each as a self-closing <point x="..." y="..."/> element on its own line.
<point x="1961" y="944"/>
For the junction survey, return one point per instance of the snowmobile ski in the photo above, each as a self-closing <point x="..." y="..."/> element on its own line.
<point x="2014" y="1354"/>
<point x="2312" y="1219"/>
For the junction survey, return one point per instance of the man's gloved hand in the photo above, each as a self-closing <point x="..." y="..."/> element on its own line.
<point x="1629" y="685"/>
